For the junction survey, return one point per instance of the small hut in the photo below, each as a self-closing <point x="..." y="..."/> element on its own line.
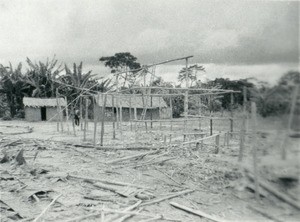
<point x="133" y="105"/>
<point x="43" y="109"/>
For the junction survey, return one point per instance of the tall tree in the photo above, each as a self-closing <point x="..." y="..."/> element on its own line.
<point x="191" y="73"/>
<point x="122" y="62"/>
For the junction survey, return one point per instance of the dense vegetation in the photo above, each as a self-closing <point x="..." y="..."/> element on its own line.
<point x="45" y="79"/>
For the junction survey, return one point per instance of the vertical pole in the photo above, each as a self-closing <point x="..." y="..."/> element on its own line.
<point x="231" y="114"/>
<point x="211" y="126"/>
<point x="67" y="114"/>
<point x="85" y="119"/>
<point x="114" y="116"/>
<point x="171" y="113"/>
<point x="130" y="113"/>
<point x="117" y="101"/>
<point x="151" y="104"/>
<point x="81" y="112"/>
<point x="254" y="147"/>
<point x="290" y="120"/>
<point x="242" y="133"/>
<point x="73" y="119"/>
<point x="60" y="116"/>
<point x="95" y="119"/>
<point x="217" y="143"/>
<point x="121" y="119"/>
<point x="186" y="99"/>
<point x="103" y="120"/>
<point x="57" y="110"/>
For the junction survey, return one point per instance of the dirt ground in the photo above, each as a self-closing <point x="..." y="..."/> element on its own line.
<point x="94" y="184"/>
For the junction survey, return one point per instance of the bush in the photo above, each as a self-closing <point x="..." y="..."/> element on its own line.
<point x="6" y="118"/>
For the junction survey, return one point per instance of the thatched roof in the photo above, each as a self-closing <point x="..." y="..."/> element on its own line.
<point x="136" y="101"/>
<point x="37" y="102"/>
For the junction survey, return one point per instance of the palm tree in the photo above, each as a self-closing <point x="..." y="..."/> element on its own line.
<point x="12" y="87"/>
<point x="191" y="73"/>
<point x="42" y="77"/>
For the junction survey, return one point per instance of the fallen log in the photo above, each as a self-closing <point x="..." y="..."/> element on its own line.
<point x="167" y="197"/>
<point x="197" y="212"/>
<point x="131" y="157"/>
<point x="275" y="192"/>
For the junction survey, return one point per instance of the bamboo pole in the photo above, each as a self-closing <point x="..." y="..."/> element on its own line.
<point x="60" y="115"/>
<point x="85" y="119"/>
<point x="130" y="114"/>
<point x="217" y="143"/>
<point x="114" y="116"/>
<point x="291" y="117"/>
<point x="254" y="150"/>
<point x="95" y="119"/>
<point x="231" y="113"/>
<point x="38" y="218"/>
<point x="197" y="212"/>
<point x="81" y="112"/>
<point x="211" y="126"/>
<point x="57" y="110"/>
<point x="242" y="133"/>
<point x="67" y="114"/>
<point x="103" y="120"/>
<point x="186" y="96"/>
<point x="73" y="120"/>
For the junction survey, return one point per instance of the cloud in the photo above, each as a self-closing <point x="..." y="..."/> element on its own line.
<point x="220" y="32"/>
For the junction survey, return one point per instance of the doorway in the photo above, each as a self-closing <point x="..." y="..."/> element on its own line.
<point x="43" y="113"/>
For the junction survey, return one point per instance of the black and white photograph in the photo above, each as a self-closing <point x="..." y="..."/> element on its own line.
<point x="149" y="110"/>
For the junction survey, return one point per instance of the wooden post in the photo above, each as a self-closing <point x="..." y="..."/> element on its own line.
<point x="225" y="136"/>
<point x="242" y="133"/>
<point x="134" y="109"/>
<point x="231" y="114"/>
<point x="151" y="117"/>
<point x="103" y="120"/>
<point x="114" y="116"/>
<point x="85" y="119"/>
<point x="254" y="150"/>
<point x="67" y="114"/>
<point x="171" y="108"/>
<point x="290" y="120"/>
<point x="95" y="119"/>
<point x="121" y="120"/>
<point x="186" y="96"/>
<point x="57" y="110"/>
<point x="81" y="112"/>
<point x="228" y="138"/>
<point x="217" y="144"/>
<point x="130" y="114"/>
<point x="73" y="119"/>
<point x="211" y="126"/>
<point x="61" y="117"/>
<point x="171" y="114"/>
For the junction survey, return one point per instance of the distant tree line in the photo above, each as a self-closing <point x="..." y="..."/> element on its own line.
<point x="44" y="79"/>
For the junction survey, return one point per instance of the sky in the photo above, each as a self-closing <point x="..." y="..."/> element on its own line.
<point x="231" y="39"/>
